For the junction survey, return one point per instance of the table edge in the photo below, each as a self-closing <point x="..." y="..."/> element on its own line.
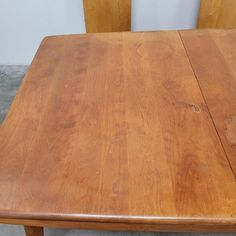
<point x="122" y="223"/>
<point x="120" y="218"/>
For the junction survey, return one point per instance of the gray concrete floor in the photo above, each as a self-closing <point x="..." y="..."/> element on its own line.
<point x="10" y="79"/>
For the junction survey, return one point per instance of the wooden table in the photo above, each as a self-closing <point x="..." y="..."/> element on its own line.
<point x="124" y="131"/>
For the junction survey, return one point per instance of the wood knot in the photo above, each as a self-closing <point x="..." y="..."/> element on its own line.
<point x="195" y="108"/>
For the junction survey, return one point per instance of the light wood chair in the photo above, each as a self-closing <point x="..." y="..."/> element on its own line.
<point x="107" y="15"/>
<point x="217" y="14"/>
<point x="115" y="15"/>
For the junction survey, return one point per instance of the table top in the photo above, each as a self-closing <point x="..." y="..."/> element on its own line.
<point x="131" y="131"/>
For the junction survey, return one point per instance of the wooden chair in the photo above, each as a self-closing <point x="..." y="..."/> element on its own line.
<point x="217" y="14"/>
<point x="115" y="15"/>
<point x="107" y="15"/>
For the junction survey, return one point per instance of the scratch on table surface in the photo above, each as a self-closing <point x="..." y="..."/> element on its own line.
<point x="231" y="130"/>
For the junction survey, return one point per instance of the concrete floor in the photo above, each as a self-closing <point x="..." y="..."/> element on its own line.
<point x="10" y="79"/>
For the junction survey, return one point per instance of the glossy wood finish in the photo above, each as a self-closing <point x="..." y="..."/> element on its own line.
<point x="33" y="231"/>
<point x="217" y="14"/>
<point x="216" y="73"/>
<point x="111" y="131"/>
<point x="107" y="15"/>
<point x="149" y="227"/>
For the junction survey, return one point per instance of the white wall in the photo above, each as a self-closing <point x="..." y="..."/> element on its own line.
<point x="164" y="14"/>
<point x="24" y="23"/>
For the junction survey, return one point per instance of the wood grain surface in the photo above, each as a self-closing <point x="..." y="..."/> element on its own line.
<point x="107" y="15"/>
<point x="217" y="14"/>
<point x="216" y="73"/>
<point x="112" y="131"/>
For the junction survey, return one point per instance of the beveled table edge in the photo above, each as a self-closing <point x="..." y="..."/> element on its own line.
<point x="109" y="218"/>
<point x="121" y="223"/>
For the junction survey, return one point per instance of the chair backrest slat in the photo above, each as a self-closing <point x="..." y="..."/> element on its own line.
<point x="107" y="15"/>
<point x="217" y="14"/>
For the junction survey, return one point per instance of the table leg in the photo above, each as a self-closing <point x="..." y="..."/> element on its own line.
<point x="33" y="231"/>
